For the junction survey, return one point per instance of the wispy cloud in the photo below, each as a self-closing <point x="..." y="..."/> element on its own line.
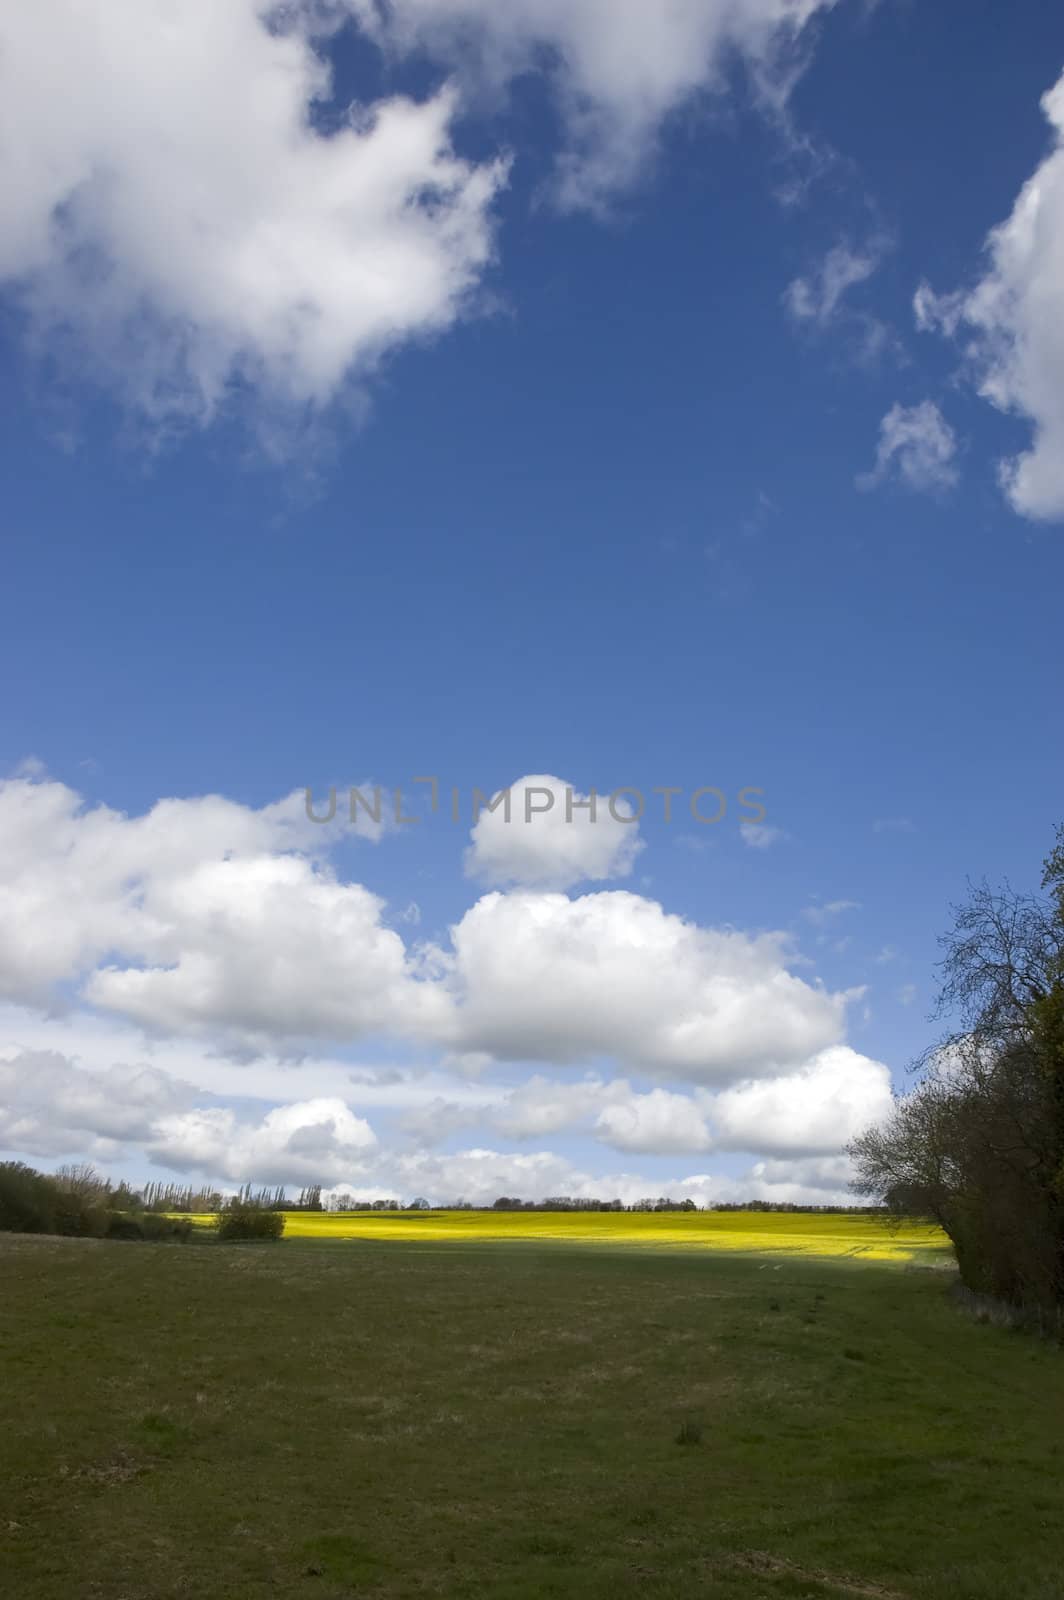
<point x="761" y="835"/>
<point x="918" y="447"/>
<point x="894" y="825"/>
<point x="819" y="915"/>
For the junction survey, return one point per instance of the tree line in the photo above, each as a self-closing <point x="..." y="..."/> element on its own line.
<point x="188" y="1198"/>
<point x="978" y="1143"/>
<point x="78" y="1200"/>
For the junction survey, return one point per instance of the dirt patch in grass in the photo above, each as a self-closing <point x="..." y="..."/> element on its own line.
<point x="768" y="1566"/>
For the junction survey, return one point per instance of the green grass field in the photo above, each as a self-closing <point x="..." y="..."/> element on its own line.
<point x="389" y="1417"/>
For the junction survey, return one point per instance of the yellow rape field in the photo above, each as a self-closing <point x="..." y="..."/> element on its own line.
<point x="855" y="1235"/>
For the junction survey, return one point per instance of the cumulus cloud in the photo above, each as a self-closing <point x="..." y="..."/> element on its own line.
<point x="660" y="1122"/>
<point x="816" y="1110"/>
<point x="312" y="1141"/>
<point x="543" y="977"/>
<point x="480" y="1175"/>
<point x="1014" y="320"/>
<point x="200" y="916"/>
<point x="543" y="1106"/>
<point x="918" y="447"/>
<point x="618" y="67"/>
<point x="541" y="831"/>
<point x="820" y="1181"/>
<point x="177" y="196"/>
<point x="210" y="919"/>
<point x="267" y="948"/>
<point x="50" y="1107"/>
<point x="185" y="208"/>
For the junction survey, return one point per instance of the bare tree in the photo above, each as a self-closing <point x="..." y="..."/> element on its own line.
<point x="978" y="1144"/>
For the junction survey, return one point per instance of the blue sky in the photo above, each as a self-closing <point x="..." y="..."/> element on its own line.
<point x="570" y="469"/>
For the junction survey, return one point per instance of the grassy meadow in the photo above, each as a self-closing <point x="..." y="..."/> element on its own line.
<point x="378" y="1415"/>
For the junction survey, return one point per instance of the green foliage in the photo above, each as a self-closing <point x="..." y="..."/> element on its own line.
<point x="243" y="1220"/>
<point x="165" y="1230"/>
<point x="34" y="1202"/>
<point x="77" y="1202"/>
<point x="146" y="1225"/>
<point x="27" y="1200"/>
<point x="978" y="1145"/>
<point x="79" y="1216"/>
<point x="121" y="1226"/>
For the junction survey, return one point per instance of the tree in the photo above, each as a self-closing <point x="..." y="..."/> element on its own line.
<point x="978" y="1144"/>
<point x="82" y="1180"/>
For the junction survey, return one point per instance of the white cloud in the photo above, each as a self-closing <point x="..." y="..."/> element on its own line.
<point x="543" y="977"/>
<point x="543" y="832"/>
<point x="820" y="1181"/>
<point x="208" y="919"/>
<point x="819" y="915"/>
<point x="818" y="1109"/>
<point x="820" y="300"/>
<point x="265" y="949"/>
<point x="313" y="1141"/>
<point x="543" y="1106"/>
<point x="815" y="1109"/>
<point x="200" y="916"/>
<point x="167" y="198"/>
<point x="480" y="1175"/>
<point x="818" y="297"/>
<point x="619" y="67"/>
<point x="187" y="213"/>
<point x="918" y="446"/>
<point x="1015" y="318"/>
<point x="658" y="1122"/>
<point x="50" y="1107"/>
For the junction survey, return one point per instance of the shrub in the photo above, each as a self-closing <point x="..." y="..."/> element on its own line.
<point x="27" y="1199"/>
<point x="239" y="1220"/>
<point x="123" y="1227"/>
<point x="164" y="1230"/>
<point x="78" y="1216"/>
<point x="32" y="1202"/>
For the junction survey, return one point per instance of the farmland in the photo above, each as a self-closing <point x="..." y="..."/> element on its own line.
<point x="378" y="1415"/>
<point x="777" y="1233"/>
